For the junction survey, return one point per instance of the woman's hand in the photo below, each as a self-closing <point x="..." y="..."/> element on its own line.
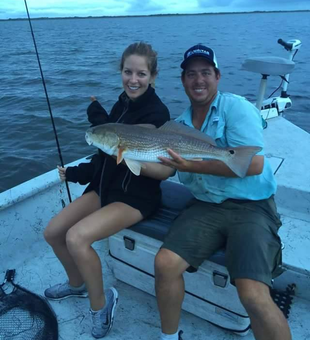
<point x="62" y="173"/>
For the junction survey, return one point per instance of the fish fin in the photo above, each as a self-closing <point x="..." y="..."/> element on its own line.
<point x="134" y="166"/>
<point x="241" y="159"/>
<point x="150" y="126"/>
<point x="173" y="126"/>
<point x="120" y="155"/>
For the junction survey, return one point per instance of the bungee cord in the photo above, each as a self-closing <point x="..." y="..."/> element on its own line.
<point x="47" y="98"/>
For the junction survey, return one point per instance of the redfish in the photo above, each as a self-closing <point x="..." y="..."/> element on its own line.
<point x="136" y="144"/>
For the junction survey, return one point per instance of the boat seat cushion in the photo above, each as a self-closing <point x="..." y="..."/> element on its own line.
<point x="175" y="197"/>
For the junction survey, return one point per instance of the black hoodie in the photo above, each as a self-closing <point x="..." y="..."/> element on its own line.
<point x="103" y="174"/>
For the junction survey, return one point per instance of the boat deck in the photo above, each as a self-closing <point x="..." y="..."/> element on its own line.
<point x="286" y="147"/>
<point x="136" y="317"/>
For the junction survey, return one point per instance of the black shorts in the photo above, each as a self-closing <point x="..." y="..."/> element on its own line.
<point x="147" y="207"/>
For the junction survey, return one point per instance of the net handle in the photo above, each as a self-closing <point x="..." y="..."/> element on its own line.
<point x="9" y="276"/>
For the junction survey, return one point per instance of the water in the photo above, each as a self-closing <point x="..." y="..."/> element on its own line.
<point x="80" y="58"/>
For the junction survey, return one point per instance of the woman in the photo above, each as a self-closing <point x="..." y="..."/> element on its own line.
<point x="115" y="198"/>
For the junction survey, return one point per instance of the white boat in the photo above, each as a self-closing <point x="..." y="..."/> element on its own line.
<point x="26" y="209"/>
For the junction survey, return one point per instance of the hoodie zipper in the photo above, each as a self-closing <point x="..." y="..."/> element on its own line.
<point x="101" y="177"/>
<point x="122" y="115"/>
<point x="124" y="184"/>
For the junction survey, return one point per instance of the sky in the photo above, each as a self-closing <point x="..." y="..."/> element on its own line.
<point x="68" y="8"/>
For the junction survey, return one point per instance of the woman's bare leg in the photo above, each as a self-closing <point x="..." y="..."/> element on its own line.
<point x="55" y="232"/>
<point x="99" y="225"/>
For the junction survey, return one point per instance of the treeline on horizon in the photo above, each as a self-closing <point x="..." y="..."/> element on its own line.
<point x="152" y="15"/>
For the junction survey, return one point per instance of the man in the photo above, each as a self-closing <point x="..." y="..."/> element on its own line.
<point x="238" y="213"/>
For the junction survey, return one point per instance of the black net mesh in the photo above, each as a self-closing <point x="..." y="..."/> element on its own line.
<point x="26" y="316"/>
<point x="284" y="299"/>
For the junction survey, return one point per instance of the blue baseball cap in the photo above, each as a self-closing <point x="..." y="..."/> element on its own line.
<point x="199" y="51"/>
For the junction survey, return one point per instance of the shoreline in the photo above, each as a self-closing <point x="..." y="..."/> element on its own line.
<point x="152" y="15"/>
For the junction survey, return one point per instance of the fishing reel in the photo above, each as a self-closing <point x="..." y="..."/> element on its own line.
<point x="274" y="66"/>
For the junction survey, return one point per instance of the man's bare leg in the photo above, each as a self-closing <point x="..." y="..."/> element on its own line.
<point x="169" y="285"/>
<point x="267" y="320"/>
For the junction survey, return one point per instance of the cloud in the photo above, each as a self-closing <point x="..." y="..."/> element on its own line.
<point x="148" y="6"/>
<point x="39" y="8"/>
<point x="280" y="4"/>
<point x="240" y="5"/>
<point x="56" y="8"/>
<point x="215" y="3"/>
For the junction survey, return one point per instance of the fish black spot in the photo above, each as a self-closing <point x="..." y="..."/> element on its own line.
<point x="232" y="152"/>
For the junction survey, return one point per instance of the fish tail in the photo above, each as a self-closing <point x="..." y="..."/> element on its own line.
<point x="241" y="158"/>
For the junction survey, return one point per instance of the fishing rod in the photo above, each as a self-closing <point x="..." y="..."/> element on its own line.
<point x="47" y="98"/>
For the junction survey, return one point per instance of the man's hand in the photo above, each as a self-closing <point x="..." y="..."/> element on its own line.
<point x="62" y="173"/>
<point x="177" y="162"/>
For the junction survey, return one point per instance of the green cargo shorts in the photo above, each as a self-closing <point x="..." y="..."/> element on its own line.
<point x="247" y="229"/>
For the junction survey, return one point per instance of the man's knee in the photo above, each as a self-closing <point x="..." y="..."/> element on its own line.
<point x="254" y="295"/>
<point x="169" y="264"/>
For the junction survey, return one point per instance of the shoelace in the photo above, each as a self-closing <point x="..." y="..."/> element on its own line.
<point x="97" y="318"/>
<point x="61" y="285"/>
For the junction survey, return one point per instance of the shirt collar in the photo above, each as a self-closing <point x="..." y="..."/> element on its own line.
<point x="186" y="117"/>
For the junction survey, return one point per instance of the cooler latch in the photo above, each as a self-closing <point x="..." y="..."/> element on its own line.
<point x="129" y="243"/>
<point x="220" y="279"/>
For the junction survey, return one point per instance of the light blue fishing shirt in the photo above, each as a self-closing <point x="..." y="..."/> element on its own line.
<point x="231" y="121"/>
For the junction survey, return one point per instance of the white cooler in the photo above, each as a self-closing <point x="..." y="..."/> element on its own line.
<point x="209" y="292"/>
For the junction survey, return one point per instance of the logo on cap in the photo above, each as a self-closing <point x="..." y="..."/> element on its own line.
<point x="199" y="51"/>
<point x="189" y="53"/>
